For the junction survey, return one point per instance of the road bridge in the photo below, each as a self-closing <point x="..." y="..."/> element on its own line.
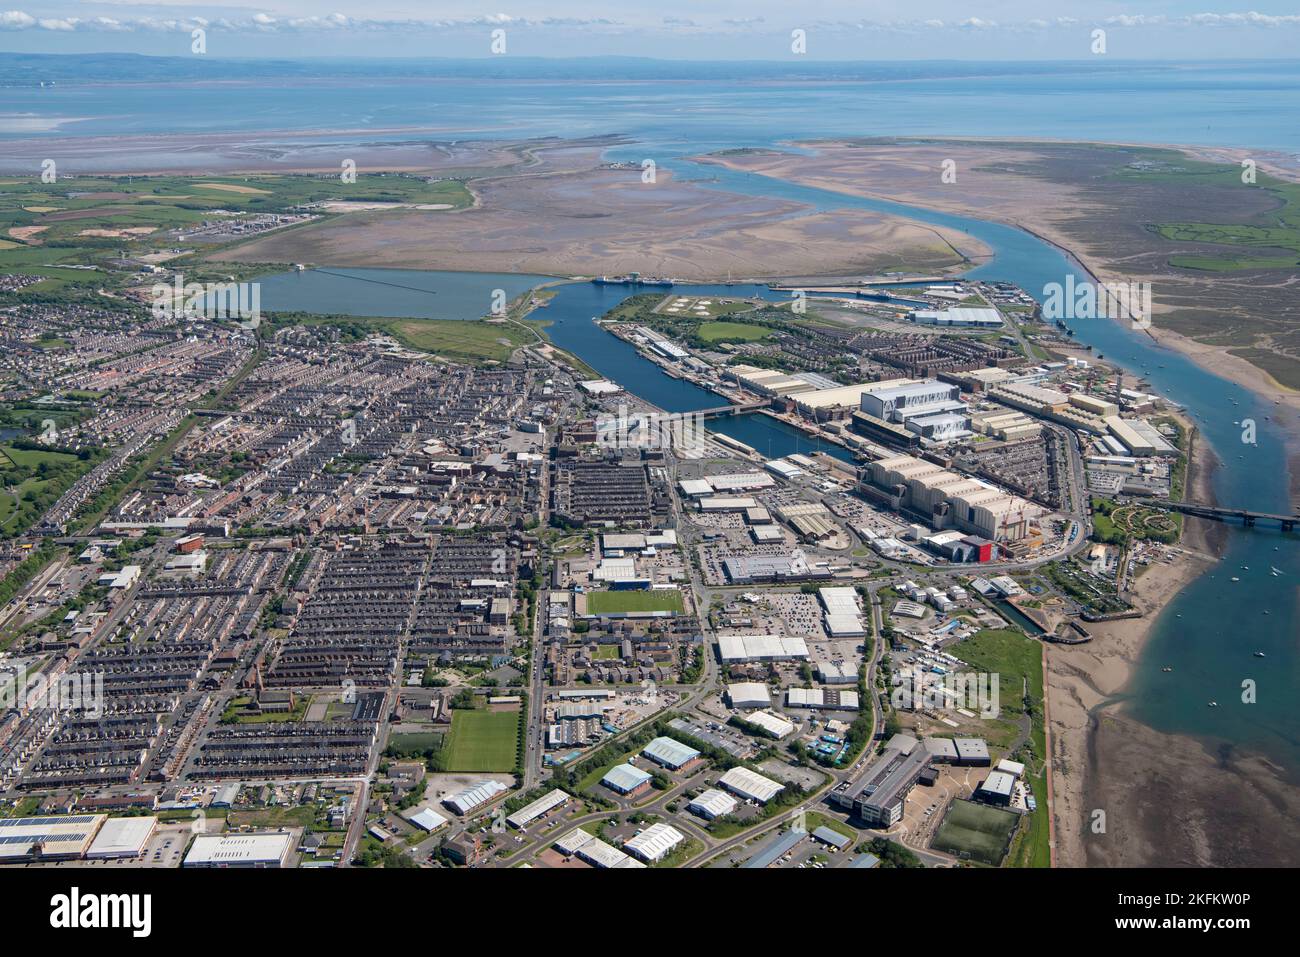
<point x="1216" y="513"/>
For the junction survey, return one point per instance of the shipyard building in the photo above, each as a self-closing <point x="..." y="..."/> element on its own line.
<point x="947" y="499"/>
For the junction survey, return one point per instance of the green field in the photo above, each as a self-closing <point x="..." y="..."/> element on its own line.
<point x="475" y="340"/>
<point x="615" y="602"/>
<point x="976" y="832"/>
<point x="722" y="331"/>
<point x="482" y="741"/>
<point x="471" y="341"/>
<point x="414" y="744"/>
<point x="31" y="480"/>
<point x="1018" y="661"/>
<point x="82" y="219"/>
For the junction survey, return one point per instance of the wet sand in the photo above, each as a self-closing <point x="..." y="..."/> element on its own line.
<point x="571" y="215"/>
<point x="1004" y="182"/>
<point x="1167" y="798"/>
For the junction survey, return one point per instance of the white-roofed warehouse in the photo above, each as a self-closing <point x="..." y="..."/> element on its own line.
<point x="470" y="798"/>
<point x="748" y="694"/>
<point x="669" y="753"/>
<point x="543" y="805"/>
<point x="655" y="842"/>
<point x="122" y="837"/>
<point x="239" y="850"/>
<point x="741" y="648"/>
<point x="750" y="785"/>
<point x="712" y="803"/>
<point x="774" y="725"/>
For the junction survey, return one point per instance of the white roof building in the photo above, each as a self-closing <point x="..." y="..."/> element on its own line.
<point x="695" y="488"/>
<point x="750" y="785"/>
<point x="543" y="805"/>
<point x="1013" y="768"/>
<point x="773" y="724"/>
<point x="712" y="804"/>
<point x="239" y="850"/>
<point x="428" y="820"/>
<point x="740" y="481"/>
<point x="625" y="778"/>
<point x="784" y="469"/>
<point x="655" y="842"/>
<point x="748" y="694"/>
<point x="739" y="648"/>
<point x="122" y="579"/>
<point x="959" y="316"/>
<point x="614" y="569"/>
<point x="909" y="609"/>
<point x="727" y="503"/>
<point x="593" y="850"/>
<point x="62" y="836"/>
<point x="670" y="753"/>
<point x="122" y="837"/>
<point x="998" y="783"/>
<point x="470" y="798"/>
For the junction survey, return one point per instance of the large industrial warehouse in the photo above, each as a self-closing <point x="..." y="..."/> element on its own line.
<point x="750" y="785"/>
<point x="745" y="648"/>
<point x="670" y="754"/>
<point x="240" y="850"/>
<point x="947" y="498"/>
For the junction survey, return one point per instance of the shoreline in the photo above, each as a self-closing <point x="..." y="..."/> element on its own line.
<point x="1212" y="784"/>
<point x="1085" y="683"/>
<point x="1217" y="361"/>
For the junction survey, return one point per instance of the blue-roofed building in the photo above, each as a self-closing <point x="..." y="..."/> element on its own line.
<point x="831" y="838"/>
<point x="627" y="780"/>
<point x="774" y="849"/>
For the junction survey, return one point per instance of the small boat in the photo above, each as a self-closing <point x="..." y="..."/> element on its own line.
<point x="1275" y="570"/>
<point x="1260" y="654"/>
<point x="1166" y="669"/>
<point x="1235" y="578"/>
<point x="1214" y="704"/>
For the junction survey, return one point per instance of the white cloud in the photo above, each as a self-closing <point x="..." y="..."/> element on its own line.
<point x="263" y="22"/>
<point x="16" y="20"/>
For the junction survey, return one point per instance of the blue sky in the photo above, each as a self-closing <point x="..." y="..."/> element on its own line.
<point x="672" y="29"/>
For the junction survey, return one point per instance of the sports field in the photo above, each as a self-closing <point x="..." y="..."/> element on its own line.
<point x="976" y="832"/>
<point x="723" y="331"/>
<point x="613" y="602"/>
<point x="482" y="741"/>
